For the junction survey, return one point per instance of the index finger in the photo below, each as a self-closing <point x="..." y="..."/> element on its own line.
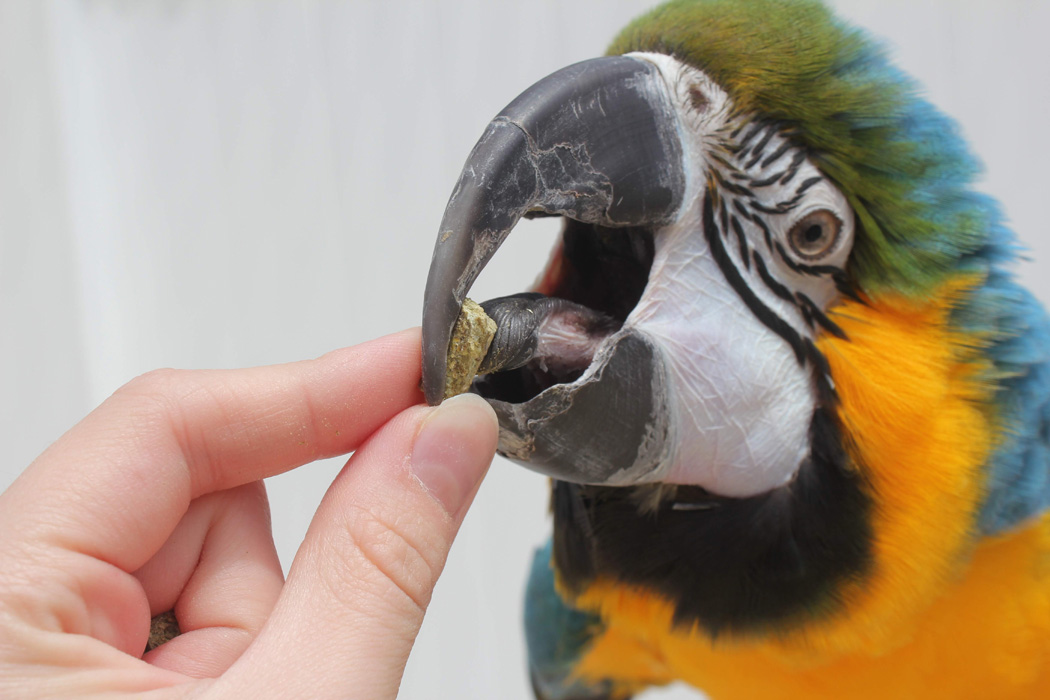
<point x="115" y="485"/>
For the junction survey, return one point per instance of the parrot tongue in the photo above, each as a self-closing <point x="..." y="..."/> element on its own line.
<point x="546" y="339"/>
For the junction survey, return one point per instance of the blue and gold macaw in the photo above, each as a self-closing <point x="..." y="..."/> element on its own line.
<point x="795" y="408"/>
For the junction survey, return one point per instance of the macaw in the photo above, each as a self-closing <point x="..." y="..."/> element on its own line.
<point x="794" y="406"/>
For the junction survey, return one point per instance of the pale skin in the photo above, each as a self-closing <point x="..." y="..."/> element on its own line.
<point x="155" y="502"/>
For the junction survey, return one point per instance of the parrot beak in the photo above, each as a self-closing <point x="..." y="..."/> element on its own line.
<point x="579" y="397"/>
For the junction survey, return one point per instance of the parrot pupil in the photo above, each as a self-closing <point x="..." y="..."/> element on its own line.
<point x="815" y="235"/>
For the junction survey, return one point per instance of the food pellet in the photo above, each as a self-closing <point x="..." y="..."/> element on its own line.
<point x="471" y="337"/>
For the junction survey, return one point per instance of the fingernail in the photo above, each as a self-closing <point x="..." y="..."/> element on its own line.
<point x="453" y="449"/>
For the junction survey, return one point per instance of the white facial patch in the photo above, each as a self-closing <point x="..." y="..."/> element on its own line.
<point x="733" y="295"/>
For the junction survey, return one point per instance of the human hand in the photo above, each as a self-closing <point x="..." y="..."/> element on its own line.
<point x="154" y="501"/>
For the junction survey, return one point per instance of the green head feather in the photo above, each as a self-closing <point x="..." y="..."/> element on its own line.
<point x="899" y="161"/>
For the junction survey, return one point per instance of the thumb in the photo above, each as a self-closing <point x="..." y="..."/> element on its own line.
<point x="361" y="582"/>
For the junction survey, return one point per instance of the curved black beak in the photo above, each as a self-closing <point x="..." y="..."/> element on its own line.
<point x="596" y="142"/>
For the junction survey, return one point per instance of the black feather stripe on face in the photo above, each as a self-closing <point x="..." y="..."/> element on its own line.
<point x="732" y="275"/>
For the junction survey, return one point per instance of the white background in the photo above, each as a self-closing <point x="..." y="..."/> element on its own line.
<point x="222" y="184"/>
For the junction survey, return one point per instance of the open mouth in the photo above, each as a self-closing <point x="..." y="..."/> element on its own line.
<point x="594" y="279"/>
<point x="580" y="394"/>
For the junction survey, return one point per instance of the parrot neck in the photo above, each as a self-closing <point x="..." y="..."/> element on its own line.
<point x="702" y="551"/>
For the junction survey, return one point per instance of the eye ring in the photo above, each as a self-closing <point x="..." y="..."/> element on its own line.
<point x="815" y="235"/>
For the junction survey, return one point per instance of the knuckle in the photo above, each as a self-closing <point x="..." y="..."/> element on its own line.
<point x="153" y="384"/>
<point x="160" y="405"/>
<point x="150" y="398"/>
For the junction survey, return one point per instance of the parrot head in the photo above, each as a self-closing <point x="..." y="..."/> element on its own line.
<point x="775" y="311"/>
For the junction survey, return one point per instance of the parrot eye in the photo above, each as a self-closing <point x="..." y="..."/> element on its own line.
<point x="815" y="235"/>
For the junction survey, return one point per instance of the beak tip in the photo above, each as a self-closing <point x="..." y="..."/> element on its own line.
<point x="433" y="382"/>
<point x="430" y="399"/>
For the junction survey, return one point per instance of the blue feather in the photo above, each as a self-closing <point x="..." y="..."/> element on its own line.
<point x="1019" y="470"/>
<point x="557" y="635"/>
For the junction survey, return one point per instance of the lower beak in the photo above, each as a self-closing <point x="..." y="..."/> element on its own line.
<point x="598" y="143"/>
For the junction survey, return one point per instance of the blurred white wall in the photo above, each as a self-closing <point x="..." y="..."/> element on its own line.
<point x="221" y="184"/>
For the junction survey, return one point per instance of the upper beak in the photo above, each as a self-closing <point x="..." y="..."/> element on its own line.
<point x="596" y="142"/>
